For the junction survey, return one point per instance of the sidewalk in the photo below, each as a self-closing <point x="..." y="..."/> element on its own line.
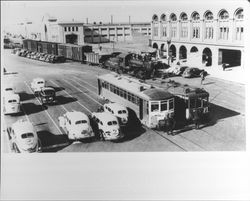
<point x="234" y="74"/>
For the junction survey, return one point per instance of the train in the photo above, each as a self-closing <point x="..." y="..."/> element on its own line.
<point x="69" y="51"/>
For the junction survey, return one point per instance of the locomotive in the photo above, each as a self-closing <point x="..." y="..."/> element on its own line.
<point x="133" y="64"/>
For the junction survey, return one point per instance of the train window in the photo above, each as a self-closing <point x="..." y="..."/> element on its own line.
<point x="171" y="104"/>
<point x="125" y="94"/>
<point x="154" y="107"/>
<point x="129" y="96"/>
<point x="112" y="88"/>
<point x="164" y="105"/>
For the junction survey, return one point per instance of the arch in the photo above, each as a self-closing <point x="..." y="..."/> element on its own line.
<point x="183" y="17"/>
<point x="155" y="46"/>
<point x="72" y="39"/>
<point x="208" y="15"/>
<point x="195" y="16"/>
<point x="155" y="18"/>
<point x="183" y="52"/>
<point x="207" y="56"/>
<point x="163" y="47"/>
<point x="163" y="17"/>
<point x="238" y="14"/>
<point x="223" y="15"/>
<point x="173" y="17"/>
<point x="172" y="52"/>
<point x="194" y="49"/>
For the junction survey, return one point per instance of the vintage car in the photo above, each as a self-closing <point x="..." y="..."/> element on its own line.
<point x="193" y="72"/>
<point x="47" y="95"/>
<point x="23" y="137"/>
<point x="37" y="84"/>
<point x="106" y="125"/>
<point x="119" y="111"/>
<point x="11" y="103"/>
<point x="76" y="125"/>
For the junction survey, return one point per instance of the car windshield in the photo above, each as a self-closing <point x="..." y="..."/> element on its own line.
<point x="12" y="101"/>
<point x="122" y="112"/>
<point x="41" y="82"/>
<point x="8" y="89"/>
<point x="81" y="122"/>
<point x="27" y="135"/>
<point x="110" y="123"/>
<point x="49" y="92"/>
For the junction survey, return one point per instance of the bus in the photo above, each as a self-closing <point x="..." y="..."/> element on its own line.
<point x="150" y="104"/>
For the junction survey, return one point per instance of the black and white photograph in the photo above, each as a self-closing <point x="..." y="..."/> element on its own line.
<point x="107" y="84"/>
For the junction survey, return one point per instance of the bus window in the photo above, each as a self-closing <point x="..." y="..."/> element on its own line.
<point x="171" y="104"/>
<point x="192" y="103"/>
<point x="164" y="106"/>
<point x="155" y="107"/>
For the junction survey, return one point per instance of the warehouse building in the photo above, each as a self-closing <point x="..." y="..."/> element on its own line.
<point x="80" y="33"/>
<point x="201" y="37"/>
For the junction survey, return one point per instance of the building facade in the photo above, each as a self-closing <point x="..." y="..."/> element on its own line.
<point x="80" y="33"/>
<point x="201" y="37"/>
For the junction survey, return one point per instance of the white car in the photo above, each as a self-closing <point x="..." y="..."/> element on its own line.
<point x="37" y="84"/>
<point x="9" y="90"/>
<point x="118" y="110"/>
<point x="76" y="124"/>
<point x="11" y="103"/>
<point x="24" y="137"/>
<point x="107" y="125"/>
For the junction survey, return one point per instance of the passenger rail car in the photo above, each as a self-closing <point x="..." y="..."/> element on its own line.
<point x="151" y="105"/>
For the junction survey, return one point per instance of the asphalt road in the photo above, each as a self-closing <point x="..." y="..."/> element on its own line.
<point x="76" y="87"/>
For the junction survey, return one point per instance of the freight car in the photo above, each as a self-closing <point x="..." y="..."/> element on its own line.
<point x="30" y="45"/>
<point x="74" y="52"/>
<point x="93" y="58"/>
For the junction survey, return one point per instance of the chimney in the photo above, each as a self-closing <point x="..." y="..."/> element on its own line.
<point x="111" y="19"/>
<point x="87" y="20"/>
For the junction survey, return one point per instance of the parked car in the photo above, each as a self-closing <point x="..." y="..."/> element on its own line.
<point x="37" y="84"/>
<point x="106" y="126"/>
<point x="24" y="137"/>
<point x="77" y="125"/>
<point x="47" y="95"/>
<point x="11" y="103"/>
<point x="119" y="111"/>
<point x="193" y="72"/>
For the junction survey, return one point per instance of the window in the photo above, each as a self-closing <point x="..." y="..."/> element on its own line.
<point x="171" y="104"/>
<point x="155" y="31"/>
<point x="196" y="32"/>
<point x="76" y="28"/>
<point x="27" y="135"/>
<point x="65" y="29"/>
<point x="81" y="122"/>
<point x="154" y="107"/>
<point x="73" y="28"/>
<point x="205" y="102"/>
<point x="69" y="28"/>
<point x="164" y="105"/>
<point x="164" y="31"/>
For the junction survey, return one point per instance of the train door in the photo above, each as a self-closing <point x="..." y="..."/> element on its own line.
<point x="99" y="87"/>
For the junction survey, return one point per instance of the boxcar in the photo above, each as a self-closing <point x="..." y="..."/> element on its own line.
<point x="47" y="47"/>
<point x="93" y="58"/>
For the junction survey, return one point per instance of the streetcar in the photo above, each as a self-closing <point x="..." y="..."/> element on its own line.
<point x="151" y="105"/>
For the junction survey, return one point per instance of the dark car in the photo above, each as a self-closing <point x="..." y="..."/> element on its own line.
<point x="47" y="95"/>
<point x="193" y="72"/>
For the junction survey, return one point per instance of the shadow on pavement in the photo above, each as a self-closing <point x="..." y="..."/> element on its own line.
<point x="31" y="108"/>
<point x="51" y="142"/>
<point x="57" y="89"/>
<point x="64" y="100"/>
<point x="25" y="96"/>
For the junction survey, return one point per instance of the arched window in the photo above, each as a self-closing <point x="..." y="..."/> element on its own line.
<point x="223" y="15"/>
<point x="195" y="16"/>
<point x="173" y="17"/>
<point x="155" y="18"/>
<point x="163" y="17"/>
<point x="223" y="25"/>
<point x="239" y="26"/>
<point x="209" y="15"/>
<point x="183" y="17"/>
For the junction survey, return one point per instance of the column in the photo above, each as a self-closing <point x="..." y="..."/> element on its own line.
<point x="215" y="56"/>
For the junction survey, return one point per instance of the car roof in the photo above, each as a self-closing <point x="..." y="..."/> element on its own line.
<point x="38" y="79"/>
<point x="105" y="116"/>
<point x="76" y="116"/>
<point x="48" y="88"/>
<point x="22" y="126"/>
<point x="116" y="106"/>
<point x="11" y="95"/>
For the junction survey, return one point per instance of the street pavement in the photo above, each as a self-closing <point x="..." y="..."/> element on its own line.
<point x="76" y="87"/>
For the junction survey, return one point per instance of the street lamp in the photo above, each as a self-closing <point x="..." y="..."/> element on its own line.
<point x="168" y="42"/>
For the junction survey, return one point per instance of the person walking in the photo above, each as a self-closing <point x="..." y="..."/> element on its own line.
<point x="171" y="125"/>
<point x="202" y="74"/>
<point x="167" y="124"/>
<point x="196" y="119"/>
